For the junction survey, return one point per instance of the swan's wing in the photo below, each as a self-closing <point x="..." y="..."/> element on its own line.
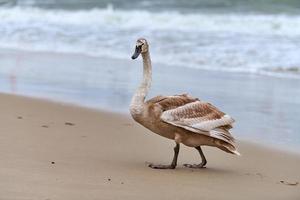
<point x="156" y="99"/>
<point x="170" y="102"/>
<point x="199" y="117"/>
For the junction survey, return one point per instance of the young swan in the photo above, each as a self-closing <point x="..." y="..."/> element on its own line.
<point x="181" y="118"/>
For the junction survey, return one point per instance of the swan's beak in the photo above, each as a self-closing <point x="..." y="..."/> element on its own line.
<point x="137" y="52"/>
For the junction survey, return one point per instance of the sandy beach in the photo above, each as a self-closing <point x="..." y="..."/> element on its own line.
<point x="57" y="151"/>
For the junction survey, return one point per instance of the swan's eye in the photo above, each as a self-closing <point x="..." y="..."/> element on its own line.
<point x="140" y="44"/>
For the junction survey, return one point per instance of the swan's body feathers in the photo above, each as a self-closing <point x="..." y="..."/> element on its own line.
<point x="196" y="116"/>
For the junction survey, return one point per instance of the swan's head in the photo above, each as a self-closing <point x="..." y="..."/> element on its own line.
<point x="141" y="47"/>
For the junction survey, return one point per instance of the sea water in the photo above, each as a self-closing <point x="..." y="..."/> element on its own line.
<point x="260" y="37"/>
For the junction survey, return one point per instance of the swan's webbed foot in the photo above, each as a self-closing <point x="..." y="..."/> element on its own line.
<point x="195" y="166"/>
<point x="202" y="164"/>
<point x="153" y="166"/>
<point x="174" y="161"/>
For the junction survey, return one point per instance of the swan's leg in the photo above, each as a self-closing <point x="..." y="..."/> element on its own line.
<point x="174" y="161"/>
<point x="202" y="164"/>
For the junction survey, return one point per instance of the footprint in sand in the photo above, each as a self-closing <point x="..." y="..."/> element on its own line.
<point x="261" y="176"/>
<point x="69" y="124"/>
<point x="20" y="117"/>
<point x="45" y="126"/>
<point x="289" y="183"/>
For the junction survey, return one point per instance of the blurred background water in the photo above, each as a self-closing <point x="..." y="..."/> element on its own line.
<point x="241" y="55"/>
<point x="253" y="36"/>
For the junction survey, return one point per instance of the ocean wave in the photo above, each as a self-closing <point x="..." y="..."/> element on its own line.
<point x="264" y="24"/>
<point x="231" y="42"/>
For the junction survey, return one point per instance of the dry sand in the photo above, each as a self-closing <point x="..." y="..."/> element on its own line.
<point x="55" y="151"/>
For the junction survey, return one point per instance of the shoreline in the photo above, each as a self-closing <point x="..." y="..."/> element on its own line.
<point x="60" y="151"/>
<point x="270" y="147"/>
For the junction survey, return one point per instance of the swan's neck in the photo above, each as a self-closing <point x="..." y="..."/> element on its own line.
<point x="138" y="99"/>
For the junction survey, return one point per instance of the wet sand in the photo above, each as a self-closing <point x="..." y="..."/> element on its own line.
<point x="57" y="151"/>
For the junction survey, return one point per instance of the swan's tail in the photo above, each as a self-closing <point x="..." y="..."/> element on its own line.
<point x="229" y="148"/>
<point x="227" y="143"/>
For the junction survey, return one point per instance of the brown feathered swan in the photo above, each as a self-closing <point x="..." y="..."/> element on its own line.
<point x="181" y="118"/>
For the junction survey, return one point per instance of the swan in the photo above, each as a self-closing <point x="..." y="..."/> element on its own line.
<point x="181" y="118"/>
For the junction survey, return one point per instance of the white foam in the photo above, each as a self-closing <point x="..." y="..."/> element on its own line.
<point x="264" y="24"/>
<point x="231" y="42"/>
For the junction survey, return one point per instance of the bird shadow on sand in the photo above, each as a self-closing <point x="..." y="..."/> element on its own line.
<point x="206" y="170"/>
